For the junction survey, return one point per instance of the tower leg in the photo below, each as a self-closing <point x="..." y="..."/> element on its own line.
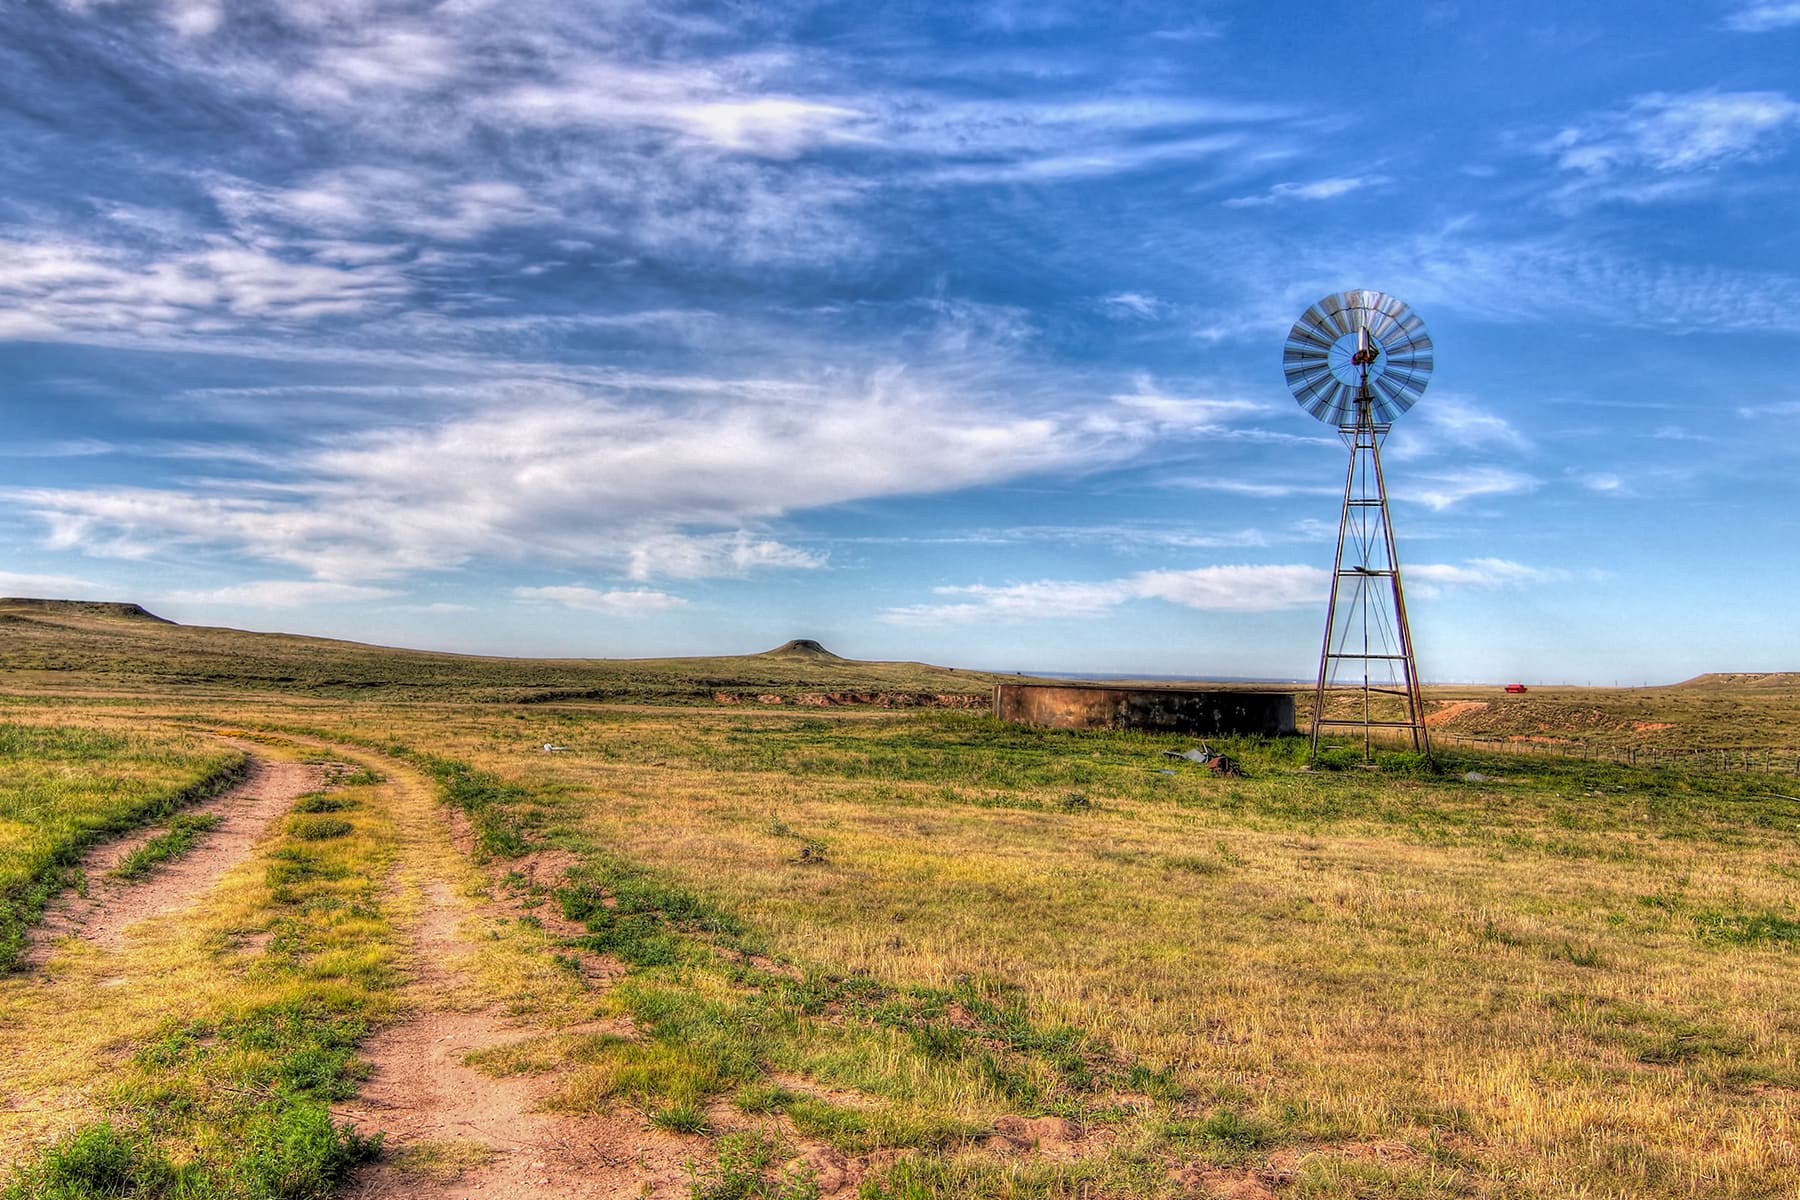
<point x="1367" y="635"/>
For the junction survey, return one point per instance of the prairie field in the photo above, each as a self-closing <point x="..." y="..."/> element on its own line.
<point x="764" y="946"/>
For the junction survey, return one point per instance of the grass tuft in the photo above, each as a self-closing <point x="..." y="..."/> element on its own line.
<point x="186" y="831"/>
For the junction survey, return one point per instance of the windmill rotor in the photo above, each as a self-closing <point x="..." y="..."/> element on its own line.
<point x="1355" y="345"/>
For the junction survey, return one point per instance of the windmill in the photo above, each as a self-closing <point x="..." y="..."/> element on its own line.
<point x="1357" y="360"/>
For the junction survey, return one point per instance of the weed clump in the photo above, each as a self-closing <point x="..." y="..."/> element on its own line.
<point x="321" y="802"/>
<point x="298" y="1153"/>
<point x="319" y="829"/>
<point x="94" y="1162"/>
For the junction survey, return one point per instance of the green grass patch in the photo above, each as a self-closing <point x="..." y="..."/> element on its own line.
<point x="322" y="802"/>
<point x="66" y="788"/>
<point x="185" y="832"/>
<point x="1746" y="929"/>
<point x="232" y="1102"/>
<point x="319" y="829"/>
<point x="491" y="803"/>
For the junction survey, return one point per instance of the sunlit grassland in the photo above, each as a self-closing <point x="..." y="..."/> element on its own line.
<point x="64" y="786"/>
<point x="1564" y="979"/>
<point x="894" y="930"/>
<point x="198" y="1061"/>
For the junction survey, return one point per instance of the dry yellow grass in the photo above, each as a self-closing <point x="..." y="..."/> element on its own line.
<point x="1515" y="985"/>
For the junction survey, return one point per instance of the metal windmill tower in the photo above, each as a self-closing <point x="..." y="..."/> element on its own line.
<point x="1357" y="360"/>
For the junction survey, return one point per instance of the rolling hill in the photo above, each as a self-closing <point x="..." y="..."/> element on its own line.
<point x="78" y="646"/>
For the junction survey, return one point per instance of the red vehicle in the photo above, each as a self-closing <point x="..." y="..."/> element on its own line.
<point x="1514" y="689"/>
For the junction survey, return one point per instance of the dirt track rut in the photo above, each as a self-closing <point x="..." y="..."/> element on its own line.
<point x="111" y="906"/>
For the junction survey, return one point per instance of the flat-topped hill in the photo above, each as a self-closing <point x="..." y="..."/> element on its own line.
<point x="64" y="645"/>
<point x="802" y="648"/>
<point x="22" y="605"/>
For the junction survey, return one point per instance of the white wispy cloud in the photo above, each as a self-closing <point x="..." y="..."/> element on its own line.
<point x="1429" y="580"/>
<point x="1134" y="304"/>
<point x="1780" y="408"/>
<point x="729" y="104"/>
<point x="1132" y="537"/>
<point x="194" y="18"/>
<point x="1174" y="410"/>
<point x="404" y="200"/>
<point x="1442" y="491"/>
<point x="1764" y="15"/>
<point x="673" y="487"/>
<point x="691" y="556"/>
<point x="1447" y="422"/>
<point x="1677" y="132"/>
<point x="52" y="587"/>
<point x="1213" y="589"/>
<point x="282" y="593"/>
<point x="55" y="287"/>
<point x="1090" y="162"/>
<point x="1317" y="189"/>
<point x="619" y="602"/>
<point x="1561" y="275"/>
<point x="361" y="59"/>
<point x="1260" y="489"/>
<point x="1604" y="482"/>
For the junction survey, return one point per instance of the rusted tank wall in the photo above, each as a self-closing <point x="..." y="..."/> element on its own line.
<point x="1151" y="710"/>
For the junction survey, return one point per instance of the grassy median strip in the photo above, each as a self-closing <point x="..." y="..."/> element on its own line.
<point x="64" y="787"/>
<point x="186" y="831"/>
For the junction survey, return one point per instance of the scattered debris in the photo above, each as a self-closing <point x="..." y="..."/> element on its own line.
<point x="1206" y="756"/>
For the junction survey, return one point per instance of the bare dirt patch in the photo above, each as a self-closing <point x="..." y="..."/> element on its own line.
<point x="1055" y="1138"/>
<point x="421" y="1095"/>
<point x="1453" y="709"/>
<point x="109" y="906"/>
<point x="1280" y="1169"/>
<point x="451" y="1130"/>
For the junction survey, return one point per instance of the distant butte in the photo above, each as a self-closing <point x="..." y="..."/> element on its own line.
<point x="85" y="608"/>
<point x="801" y="648"/>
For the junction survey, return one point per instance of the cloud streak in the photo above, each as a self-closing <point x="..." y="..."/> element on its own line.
<point x="1240" y="589"/>
<point x="1318" y="189"/>
<point x="1764" y="17"/>
<point x="671" y="488"/>
<point x="615" y="602"/>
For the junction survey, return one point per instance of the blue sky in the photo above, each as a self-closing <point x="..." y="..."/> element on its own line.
<point x="948" y="332"/>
